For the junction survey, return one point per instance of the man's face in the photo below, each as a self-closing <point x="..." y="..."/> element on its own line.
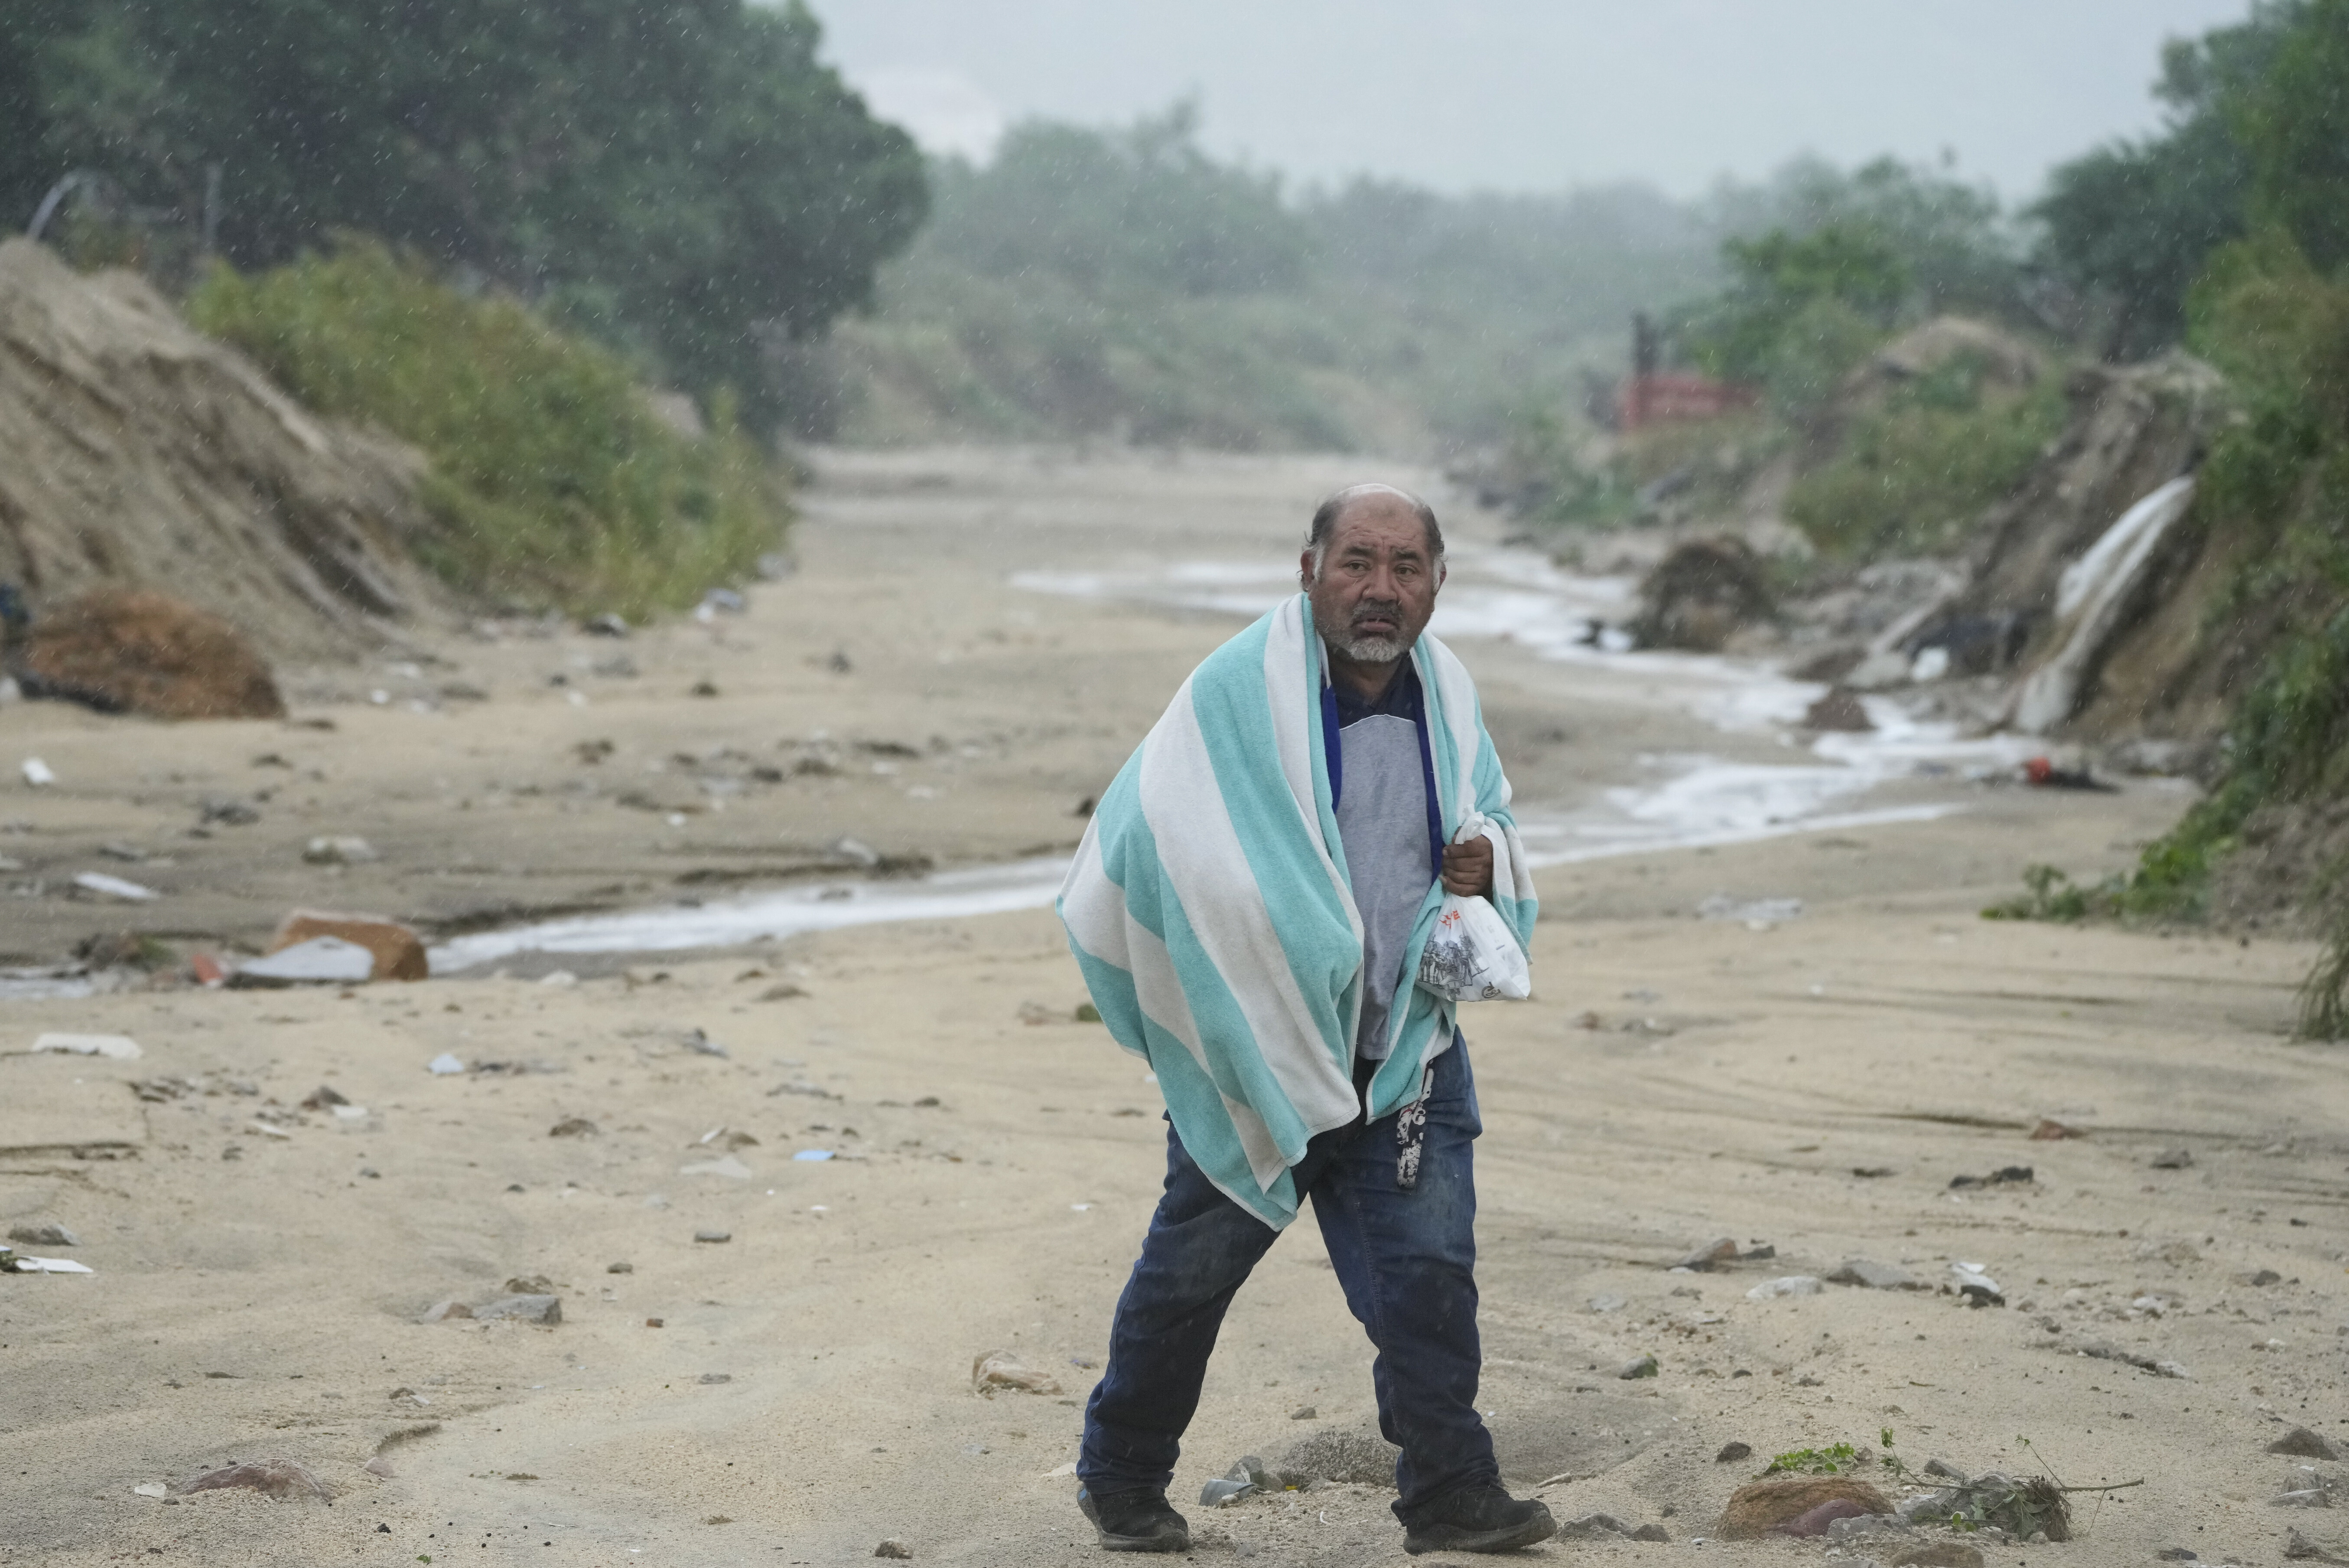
<point x="1376" y="586"/>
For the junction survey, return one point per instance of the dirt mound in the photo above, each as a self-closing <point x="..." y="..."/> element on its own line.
<point x="124" y="651"/>
<point x="1701" y="594"/>
<point x="142" y="455"/>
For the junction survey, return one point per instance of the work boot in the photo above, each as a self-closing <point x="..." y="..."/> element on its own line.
<point x="1141" y="1522"/>
<point x="1477" y="1519"/>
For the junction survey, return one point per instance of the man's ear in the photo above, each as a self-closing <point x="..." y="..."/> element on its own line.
<point x="1305" y="570"/>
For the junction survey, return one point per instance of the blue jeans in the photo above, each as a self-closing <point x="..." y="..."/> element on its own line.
<point x="1407" y="1261"/>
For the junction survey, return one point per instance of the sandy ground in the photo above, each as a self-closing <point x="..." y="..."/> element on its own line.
<point x="806" y="1394"/>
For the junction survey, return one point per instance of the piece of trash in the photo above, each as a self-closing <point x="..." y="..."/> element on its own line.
<point x="811" y="1155"/>
<point x="999" y="1369"/>
<point x="398" y="950"/>
<point x="281" y="1479"/>
<point x="1785" y="1285"/>
<point x="320" y="961"/>
<point x="724" y="1165"/>
<point x="119" y="1048"/>
<point x="14" y="1262"/>
<point x="1976" y="1286"/>
<point x="2006" y="1176"/>
<point x="150" y="1489"/>
<point x="339" y="850"/>
<point x="2043" y="774"/>
<point x="713" y="1237"/>
<point x="1230" y="1488"/>
<point x="106" y="886"/>
<point x="1645" y="1366"/>
<point x="443" y="1065"/>
<point x="37" y="773"/>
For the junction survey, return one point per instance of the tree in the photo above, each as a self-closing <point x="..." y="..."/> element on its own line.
<point x="689" y="176"/>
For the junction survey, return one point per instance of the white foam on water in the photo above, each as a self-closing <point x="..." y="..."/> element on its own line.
<point x="728" y="923"/>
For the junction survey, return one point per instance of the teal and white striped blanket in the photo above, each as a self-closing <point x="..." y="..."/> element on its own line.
<point x="1210" y="909"/>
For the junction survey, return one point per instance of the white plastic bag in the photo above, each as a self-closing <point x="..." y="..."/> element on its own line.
<point x="1472" y="955"/>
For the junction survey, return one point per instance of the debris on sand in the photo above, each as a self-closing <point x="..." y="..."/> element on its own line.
<point x="320" y="961"/>
<point x="2299" y="1442"/>
<point x="1760" y="1507"/>
<point x="2103" y="1350"/>
<point x="1731" y="1452"/>
<point x="1246" y="1477"/>
<point x="399" y="951"/>
<point x="999" y="1369"/>
<point x="2173" y="1160"/>
<point x="894" y="1548"/>
<point x="2021" y="1507"/>
<point x="2049" y="1130"/>
<point x="1710" y="1257"/>
<point x="1976" y="1286"/>
<point x="119" y="1048"/>
<point x="281" y="1479"/>
<point x="2005" y="1176"/>
<point x="124" y="651"/>
<point x="1643" y="1366"/>
<point x="1787" y="1286"/>
<point x="106" y="886"/>
<point x="573" y="1126"/>
<point x="543" y="1310"/>
<point x="51" y="1234"/>
<point x="338" y="850"/>
<point x="1872" y="1275"/>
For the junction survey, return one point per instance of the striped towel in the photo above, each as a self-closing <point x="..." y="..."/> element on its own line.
<point x="1210" y="909"/>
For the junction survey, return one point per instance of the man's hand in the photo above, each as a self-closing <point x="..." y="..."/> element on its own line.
<point x="1468" y="868"/>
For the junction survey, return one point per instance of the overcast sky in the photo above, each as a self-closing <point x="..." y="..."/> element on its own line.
<point x="1536" y="95"/>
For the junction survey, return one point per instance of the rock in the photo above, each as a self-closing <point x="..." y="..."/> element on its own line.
<point x="128" y="651"/>
<point x="339" y="850"/>
<point x="702" y="1045"/>
<point x="320" y="961"/>
<point x="1593" y="1527"/>
<point x="1731" y="1452"/>
<point x="894" y="1548"/>
<point x="2050" y="1129"/>
<point x="1938" y="1554"/>
<point x="2303" y="1497"/>
<point x="1711" y="1255"/>
<point x="531" y="1284"/>
<point x="999" y="1369"/>
<point x="2173" y="1160"/>
<point x="1304" y="1413"/>
<point x="716" y="1378"/>
<point x="324" y="1097"/>
<point x="1871" y="1276"/>
<point x="445" y="1065"/>
<point x="399" y="951"/>
<point x="2261" y="1277"/>
<point x="281" y="1479"/>
<point x="546" y="1310"/>
<point x="52" y="1234"/>
<point x="2186" y="1554"/>
<point x="1946" y="1471"/>
<point x="2009" y="1175"/>
<point x="39" y="774"/>
<point x="1785" y="1285"/>
<point x="620" y="1268"/>
<point x="1645" y="1366"/>
<point x="2299" y="1442"/>
<point x="1759" y="1507"/>
<point x="1605" y="1304"/>
<point x="1978" y="1288"/>
<point x="442" y="1311"/>
<point x="226" y="813"/>
<point x="573" y="1126"/>
<point x="1841" y="712"/>
<point x="713" y="1236"/>
<point x="2300" y="1548"/>
<point x="1651" y="1532"/>
<point x="1700" y="594"/>
<point x="1859" y="1526"/>
<point x="1350" y="1456"/>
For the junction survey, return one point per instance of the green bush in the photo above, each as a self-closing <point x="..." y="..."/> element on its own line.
<point x="1914" y="475"/>
<point x="554" y="482"/>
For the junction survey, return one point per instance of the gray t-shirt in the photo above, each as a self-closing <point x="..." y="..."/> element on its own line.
<point x="1383" y="820"/>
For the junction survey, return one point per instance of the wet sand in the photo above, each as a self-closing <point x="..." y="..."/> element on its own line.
<point x="1676" y="1079"/>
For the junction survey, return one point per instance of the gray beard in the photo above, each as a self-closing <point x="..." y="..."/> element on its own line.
<point x="1371" y="650"/>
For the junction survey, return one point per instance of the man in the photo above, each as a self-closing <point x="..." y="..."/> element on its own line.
<point x="1250" y="906"/>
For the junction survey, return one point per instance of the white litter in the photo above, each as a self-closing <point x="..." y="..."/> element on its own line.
<point x="23" y="1264"/>
<point x="812" y="1154"/>
<point x="443" y="1065"/>
<point x="321" y="960"/>
<point x="38" y="772"/>
<point x="113" y="887"/>
<point x="266" y="1130"/>
<point x="350" y="1113"/>
<point x="121" y="1048"/>
<point x="150" y="1489"/>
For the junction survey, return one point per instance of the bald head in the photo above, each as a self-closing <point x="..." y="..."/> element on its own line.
<point x="1366" y="498"/>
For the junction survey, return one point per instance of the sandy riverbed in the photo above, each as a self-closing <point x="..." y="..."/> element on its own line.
<point x="1676" y="1079"/>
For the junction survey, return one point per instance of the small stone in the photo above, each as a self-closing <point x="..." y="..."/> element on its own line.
<point x="620" y="1268"/>
<point x="2261" y="1277"/>
<point x="2299" y="1442"/>
<point x="1731" y="1452"/>
<point x="531" y="1284"/>
<point x="1645" y="1366"/>
<point x="1650" y="1532"/>
<point x="546" y="1310"/>
<point x="573" y="1126"/>
<point x="1605" y="1303"/>
<point x="1711" y="1255"/>
<point x="53" y="1234"/>
<point x="717" y="1377"/>
<point x="1304" y="1413"/>
<point x="713" y="1235"/>
<point x="1787" y="1286"/>
<point x="1593" y="1527"/>
<point x="2173" y="1160"/>
<point x="2183" y="1554"/>
<point x="894" y="1548"/>
<point x="441" y="1311"/>
<point x="1871" y="1276"/>
<point x="339" y="850"/>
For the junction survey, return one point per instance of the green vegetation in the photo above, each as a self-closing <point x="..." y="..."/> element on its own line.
<point x="1834" y="1460"/>
<point x="689" y="181"/>
<point x="1912" y="475"/>
<point x="553" y="481"/>
<point x="1121" y="283"/>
